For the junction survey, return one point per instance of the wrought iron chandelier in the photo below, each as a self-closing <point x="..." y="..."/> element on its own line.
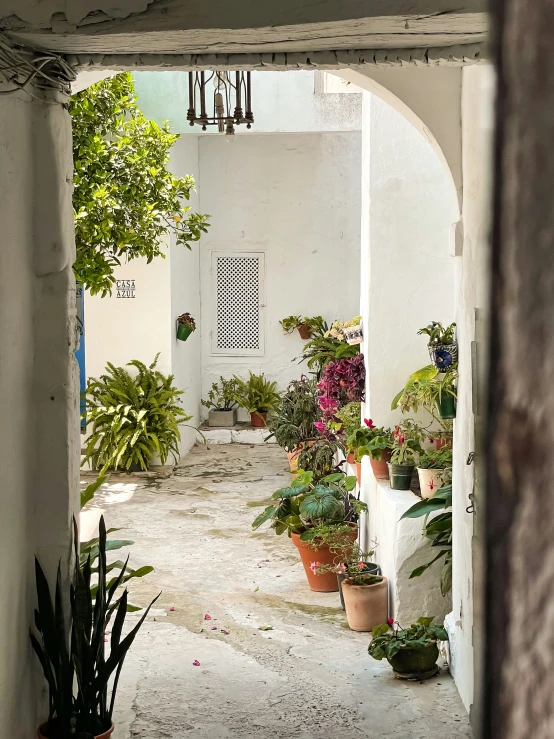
<point x="227" y="99"/>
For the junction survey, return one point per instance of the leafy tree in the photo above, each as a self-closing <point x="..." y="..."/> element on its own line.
<point x="125" y="200"/>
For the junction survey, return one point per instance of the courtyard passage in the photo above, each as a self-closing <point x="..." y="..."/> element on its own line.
<point x="237" y="645"/>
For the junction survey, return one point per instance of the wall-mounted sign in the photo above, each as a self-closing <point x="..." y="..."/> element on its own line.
<point x="125" y="288"/>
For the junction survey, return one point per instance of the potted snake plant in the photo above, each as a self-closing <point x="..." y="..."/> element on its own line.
<point x="70" y="644"/>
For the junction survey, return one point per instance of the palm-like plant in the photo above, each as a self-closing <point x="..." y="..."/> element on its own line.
<point x="133" y="418"/>
<point x="71" y="648"/>
<point x="256" y="394"/>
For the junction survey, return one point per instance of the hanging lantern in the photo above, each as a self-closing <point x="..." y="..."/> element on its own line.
<point x="224" y="93"/>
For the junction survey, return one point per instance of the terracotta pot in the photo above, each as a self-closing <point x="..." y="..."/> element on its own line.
<point x="359" y="472"/>
<point x="326" y="583"/>
<point x="44" y="727"/>
<point x="443" y="441"/>
<point x="258" y="420"/>
<point x="304" y="331"/>
<point x="414" y="661"/>
<point x="351" y="458"/>
<point x="431" y="480"/>
<point x="293" y="458"/>
<point x="366" y="605"/>
<point x="379" y="466"/>
<point x="370" y="567"/>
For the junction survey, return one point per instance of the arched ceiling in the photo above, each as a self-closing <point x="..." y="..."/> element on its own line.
<point x="190" y="27"/>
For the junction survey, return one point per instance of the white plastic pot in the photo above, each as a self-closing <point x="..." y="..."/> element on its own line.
<point x="431" y="480"/>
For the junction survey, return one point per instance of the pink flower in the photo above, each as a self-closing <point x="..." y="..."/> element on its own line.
<point x="196" y="663"/>
<point x="314" y="566"/>
<point x="320" y="426"/>
<point x="341" y="568"/>
<point x="225" y="632"/>
<point x="390" y="621"/>
<point x="214" y="628"/>
<point x="361" y="565"/>
<point x="171" y="608"/>
<point x="369" y="423"/>
<point x="207" y="617"/>
<point x="401" y="439"/>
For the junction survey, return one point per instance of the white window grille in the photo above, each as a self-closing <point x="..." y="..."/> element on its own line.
<point x="238" y="303"/>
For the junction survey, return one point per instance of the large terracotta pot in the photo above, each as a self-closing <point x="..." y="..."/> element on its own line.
<point x="44" y="727"/>
<point x="431" y="480"/>
<point x="258" y="420"/>
<point x="293" y="458"/>
<point x="366" y="605"/>
<point x="351" y="458"/>
<point x="379" y="466"/>
<point x="326" y="583"/>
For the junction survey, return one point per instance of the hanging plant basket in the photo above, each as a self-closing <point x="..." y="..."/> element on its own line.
<point x="183" y="332"/>
<point x="185" y="326"/>
<point x="443" y="356"/>
<point x="353" y="334"/>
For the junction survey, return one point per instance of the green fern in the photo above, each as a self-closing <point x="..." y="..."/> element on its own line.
<point x="132" y="418"/>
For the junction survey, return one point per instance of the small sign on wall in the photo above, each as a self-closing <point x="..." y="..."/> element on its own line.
<point x="125" y="288"/>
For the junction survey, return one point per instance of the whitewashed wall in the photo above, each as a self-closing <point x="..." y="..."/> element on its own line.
<point x="477" y="121"/>
<point x="407" y="280"/>
<point x="296" y="197"/>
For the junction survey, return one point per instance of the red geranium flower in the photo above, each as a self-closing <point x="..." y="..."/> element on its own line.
<point x="369" y="423"/>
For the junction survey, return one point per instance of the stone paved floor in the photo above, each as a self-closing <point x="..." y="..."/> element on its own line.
<point x="309" y="677"/>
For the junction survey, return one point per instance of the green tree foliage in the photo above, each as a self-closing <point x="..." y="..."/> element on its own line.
<point x="125" y="200"/>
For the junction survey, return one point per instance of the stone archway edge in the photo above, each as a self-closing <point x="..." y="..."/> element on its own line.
<point x="451" y="56"/>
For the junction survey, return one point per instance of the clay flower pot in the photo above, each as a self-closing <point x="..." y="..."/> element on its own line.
<point x="379" y="466"/>
<point x="414" y="663"/>
<point x="326" y="583"/>
<point x="366" y="605"/>
<point x="258" y="419"/>
<point x="44" y="728"/>
<point x="431" y="480"/>
<point x="305" y="331"/>
<point x="443" y="441"/>
<point x="359" y="472"/>
<point x="293" y="458"/>
<point x="351" y="458"/>
<point x="400" y="475"/>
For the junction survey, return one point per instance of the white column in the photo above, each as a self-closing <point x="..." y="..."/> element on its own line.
<point x="39" y="438"/>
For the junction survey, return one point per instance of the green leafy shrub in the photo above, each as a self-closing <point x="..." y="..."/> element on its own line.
<point x="292" y="422"/>
<point x="314" y="323"/>
<point x="125" y="200"/>
<point x="132" y="418"/>
<point x="369" y="441"/>
<point x="221" y="396"/>
<point x="438" y="334"/>
<point x="314" y="509"/>
<point x="320" y="457"/>
<point x="387" y="639"/>
<point x="256" y="394"/>
<point x="439" y="532"/>
<point x="436" y="459"/>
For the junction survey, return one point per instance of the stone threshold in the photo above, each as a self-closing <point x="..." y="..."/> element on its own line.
<point x="240" y="433"/>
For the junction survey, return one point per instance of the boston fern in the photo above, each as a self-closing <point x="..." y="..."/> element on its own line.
<point x="132" y="418"/>
<point x="70" y="644"/>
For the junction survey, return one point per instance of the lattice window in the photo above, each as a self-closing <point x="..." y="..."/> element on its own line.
<point x="238" y="297"/>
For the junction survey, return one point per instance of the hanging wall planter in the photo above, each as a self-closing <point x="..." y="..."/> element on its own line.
<point x="185" y="326"/>
<point x="353" y="334"/>
<point x="305" y="331"/>
<point x="443" y="356"/>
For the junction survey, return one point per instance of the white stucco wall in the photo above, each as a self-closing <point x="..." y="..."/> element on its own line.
<point x="38" y="384"/>
<point x="478" y="92"/>
<point x="296" y="197"/>
<point x="407" y="280"/>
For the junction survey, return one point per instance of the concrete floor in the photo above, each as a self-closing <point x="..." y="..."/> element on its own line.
<point x="309" y="677"/>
